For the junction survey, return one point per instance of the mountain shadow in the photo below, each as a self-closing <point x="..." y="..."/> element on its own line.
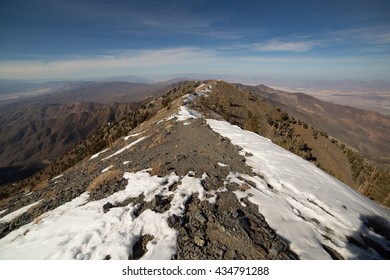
<point x="372" y="240"/>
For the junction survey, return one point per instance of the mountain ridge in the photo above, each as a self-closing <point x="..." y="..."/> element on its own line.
<point x="184" y="184"/>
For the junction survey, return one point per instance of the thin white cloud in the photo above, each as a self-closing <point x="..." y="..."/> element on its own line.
<point x="355" y="40"/>
<point x="276" y="45"/>
<point x="173" y="61"/>
<point x="374" y="35"/>
<point x="142" y="60"/>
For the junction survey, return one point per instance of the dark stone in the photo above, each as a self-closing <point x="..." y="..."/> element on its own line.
<point x="139" y="248"/>
<point x="333" y="253"/>
<point x="172" y="220"/>
<point x="107" y="207"/>
<point x="276" y="249"/>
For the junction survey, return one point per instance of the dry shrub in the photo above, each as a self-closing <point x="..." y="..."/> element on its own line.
<point x="168" y="126"/>
<point x="39" y="219"/>
<point x="52" y="193"/>
<point x="92" y="168"/>
<point x="243" y="187"/>
<point x="40" y="185"/>
<point x="107" y="178"/>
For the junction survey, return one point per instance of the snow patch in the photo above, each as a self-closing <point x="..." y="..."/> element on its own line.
<point x="202" y="90"/>
<point x="222" y="164"/>
<point x="97" y="154"/>
<point x="125" y="148"/>
<point x="9" y="217"/>
<point x="108" y="168"/>
<point x="167" y="119"/>
<point x="183" y="114"/>
<point x="200" y="86"/>
<point x="305" y="205"/>
<point x="188" y="186"/>
<point x="186" y="113"/>
<point x="188" y="98"/>
<point x="57" y="177"/>
<point x="132" y="135"/>
<point x="3" y="211"/>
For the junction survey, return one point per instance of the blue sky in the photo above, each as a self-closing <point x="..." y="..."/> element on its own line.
<point x="333" y="40"/>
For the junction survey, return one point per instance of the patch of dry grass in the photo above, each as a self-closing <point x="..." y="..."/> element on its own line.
<point x="106" y="178"/>
<point x="156" y="168"/>
<point x="40" y="185"/>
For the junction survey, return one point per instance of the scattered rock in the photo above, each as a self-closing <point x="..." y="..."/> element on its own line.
<point x="139" y="248"/>
<point x="333" y="253"/>
<point x="107" y="207"/>
<point x="200" y="217"/>
<point x="276" y="249"/>
<point x="199" y="241"/>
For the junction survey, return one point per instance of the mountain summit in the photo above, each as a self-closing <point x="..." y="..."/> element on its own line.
<point x="194" y="181"/>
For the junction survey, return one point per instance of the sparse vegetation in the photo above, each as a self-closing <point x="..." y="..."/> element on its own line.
<point x="251" y="123"/>
<point x="373" y="181"/>
<point x="156" y="168"/>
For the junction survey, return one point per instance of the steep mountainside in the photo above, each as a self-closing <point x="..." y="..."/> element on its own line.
<point x="366" y="131"/>
<point x="37" y="130"/>
<point x="185" y="184"/>
<point x="32" y="135"/>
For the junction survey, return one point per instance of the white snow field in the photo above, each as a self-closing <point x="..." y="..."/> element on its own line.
<point x="81" y="230"/>
<point x="305" y="205"/>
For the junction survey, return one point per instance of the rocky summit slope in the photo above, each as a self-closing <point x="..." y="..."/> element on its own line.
<point x="186" y="184"/>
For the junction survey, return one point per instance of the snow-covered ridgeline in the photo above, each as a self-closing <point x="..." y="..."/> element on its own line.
<point x="184" y="113"/>
<point x="203" y="89"/>
<point x="302" y="203"/>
